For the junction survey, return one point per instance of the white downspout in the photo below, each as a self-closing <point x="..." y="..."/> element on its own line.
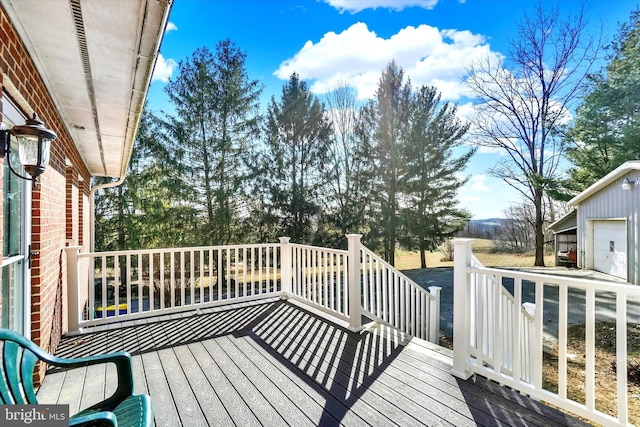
<point x="92" y="208"/>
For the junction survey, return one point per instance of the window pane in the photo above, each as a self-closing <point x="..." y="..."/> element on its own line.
<point x="12" y="201"/>
<point x="12" y="296"/>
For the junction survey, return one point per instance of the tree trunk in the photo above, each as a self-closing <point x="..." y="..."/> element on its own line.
<point x="539" y="230"/>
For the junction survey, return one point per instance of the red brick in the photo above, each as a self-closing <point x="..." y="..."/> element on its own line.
<point x="57" y="207"/>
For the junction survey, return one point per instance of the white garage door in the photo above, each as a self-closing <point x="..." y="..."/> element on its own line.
<point x="610" y="247"/>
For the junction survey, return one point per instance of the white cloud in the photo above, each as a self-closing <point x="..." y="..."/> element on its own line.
<point x="163" y="69"/>
<point x="429" y="56"/>
<point x="466" y="112"/>
<point x="486" y="196"/>
<point x="355" y="6"/>
<point x="170" y="27"/>
<point x="484" y="149"/>
<point x="478" y="183"/>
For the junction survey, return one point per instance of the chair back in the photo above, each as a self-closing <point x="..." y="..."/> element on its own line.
<point x="17" y="368"/>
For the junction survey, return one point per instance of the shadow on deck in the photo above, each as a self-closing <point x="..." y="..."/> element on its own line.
<point x="274" y="363"/>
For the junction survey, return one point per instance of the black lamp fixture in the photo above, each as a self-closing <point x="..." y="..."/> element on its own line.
<point x="34" y="143"/>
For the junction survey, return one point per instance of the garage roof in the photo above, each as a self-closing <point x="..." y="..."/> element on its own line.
<point x="619" y="172"/>
<point x="568" y="222"/>
<point x="96" y="59"/>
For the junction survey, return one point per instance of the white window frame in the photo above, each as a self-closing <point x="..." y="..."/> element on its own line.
<point x="11" y="116"/>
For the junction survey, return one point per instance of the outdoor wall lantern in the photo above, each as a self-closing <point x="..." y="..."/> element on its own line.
<point x="627" y="185"/>
<point x="34" y="143"/>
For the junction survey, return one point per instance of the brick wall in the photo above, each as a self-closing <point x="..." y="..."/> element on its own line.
<point x="51" y="220"/>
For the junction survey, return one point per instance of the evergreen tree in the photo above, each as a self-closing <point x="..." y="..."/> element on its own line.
<point x="294" y="165"/>
<point x="606" y="132"/>
<point x="145" y="211"/>
<point x="217" y="119"/>
<point x="383" y="126"/>
<point x="430" y="181"/>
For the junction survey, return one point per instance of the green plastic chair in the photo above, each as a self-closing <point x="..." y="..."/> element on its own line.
<point x="123" y="408"/>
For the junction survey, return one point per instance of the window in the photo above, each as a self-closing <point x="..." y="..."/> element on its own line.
<point x="16" y="197"/>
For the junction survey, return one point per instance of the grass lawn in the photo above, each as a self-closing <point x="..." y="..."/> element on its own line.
<point x="482" y="249"/>
<point x="605" y="368"/>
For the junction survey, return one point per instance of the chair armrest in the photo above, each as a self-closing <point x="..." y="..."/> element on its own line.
<point x="121" y="359"/>
<point x="103" y="417"/>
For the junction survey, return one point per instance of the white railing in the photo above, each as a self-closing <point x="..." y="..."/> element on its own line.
<point x="559" y="302"/>
<point x="319" y="279"/>
<point x="107" y="287"/>
<point x="390" y="297"/>
<point x="126" y="285"/>
<point x="322" y="278"/>
<point x="488" y="296"/>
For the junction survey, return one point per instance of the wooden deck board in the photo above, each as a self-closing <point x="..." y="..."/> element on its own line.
<point x="273" y="363"/>
<point x="94" y="385"/>
<point x="387" y="391"/>
<point x="230" y="399"/>
<point x="276" y="396"/>
<point x="163" y="402"/>
<point x="355" y="374"/>
<point x="306" y="398"/>
<point x="254" y="399"/>
<point x="331" y="407"/>
<point x="188" y="409"/>
<point x="368" y="375"/>
<point x="72" y="388"/>
<point x="211" y="406"/>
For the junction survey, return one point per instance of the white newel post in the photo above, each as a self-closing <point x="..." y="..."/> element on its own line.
<point x="434" y="313"/>
<point x="73" y="289"/>
<point x="461" y="309"/>
<point x="285" y="266"/>
<point x="355" y="297"/>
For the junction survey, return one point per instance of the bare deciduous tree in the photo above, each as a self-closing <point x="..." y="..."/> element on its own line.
<point x="516" y="234"/>
<point x="525" y="97"/>
<point x="349" y="159"/>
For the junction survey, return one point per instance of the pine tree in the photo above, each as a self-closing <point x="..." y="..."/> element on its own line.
<point x="430" y="181"/>
<point x="294" y="165"/>
<point x="606" y="132"/>
<point x="145" y="211"/>
<point x="383" y="127"/>
<point x="217" y="121"/>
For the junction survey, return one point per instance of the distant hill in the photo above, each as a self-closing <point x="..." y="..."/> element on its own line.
<point x="483" y="228"/>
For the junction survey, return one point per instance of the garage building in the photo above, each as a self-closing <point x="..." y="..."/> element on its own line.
<point x="565" y="239"/>
<point x="608" y="224"/>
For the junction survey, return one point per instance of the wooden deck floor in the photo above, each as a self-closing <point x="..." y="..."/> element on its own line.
<point x="276" y="364"/>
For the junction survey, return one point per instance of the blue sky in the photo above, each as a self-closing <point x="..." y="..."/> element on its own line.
<point x="326" y="41"/>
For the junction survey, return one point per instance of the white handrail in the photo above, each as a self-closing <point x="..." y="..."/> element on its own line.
<point x="492" y="340"/>
<point x="392" y="298"/>
<point x="556" y="297"/>
<point x="319" y="278"/>
<point x="126" y="285"/>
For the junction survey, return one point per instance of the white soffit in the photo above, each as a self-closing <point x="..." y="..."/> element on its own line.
<point x="96" y="58"/>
